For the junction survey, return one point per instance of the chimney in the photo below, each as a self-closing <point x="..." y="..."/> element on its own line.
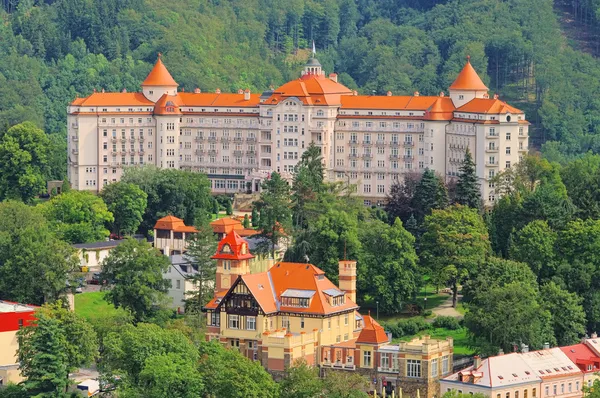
<point x="389" y="93"/>
<point x="496" y="96"/>
<point x="416" y="94"/>
<point x="476" y="362"/>
<point x="333" y="76"/>
<point x="442" y="94"/>
<point x="486" y="96"/>
<point x="354" y="92"/>
<point x="524" y="348"/>
<point x="500" y="351"/>
<point x="102" y="90"/>
<point x="594" y="335"/>
<point x="347" y="278"/>
<point x="218" y="91"/>
<point x="124" y="90"/>
<point x="546" y="346"/>
<point x="240" y="91"/>
<point x="197" y="91"/>
<point x="247" y="94"/>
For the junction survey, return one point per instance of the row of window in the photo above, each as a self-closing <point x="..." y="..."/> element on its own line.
<point x="396" y="125"/>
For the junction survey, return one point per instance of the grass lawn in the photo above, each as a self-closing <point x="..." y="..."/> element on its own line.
<point x="217" y="216"/>
<point x="92" y="305"/>
<point x="461" y="342"/>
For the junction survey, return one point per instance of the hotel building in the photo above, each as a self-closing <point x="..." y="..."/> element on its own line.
<point x="239" y="139"/>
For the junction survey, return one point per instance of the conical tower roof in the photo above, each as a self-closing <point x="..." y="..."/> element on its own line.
<point x="468" y="79"/>
<point x="159" y="75"/>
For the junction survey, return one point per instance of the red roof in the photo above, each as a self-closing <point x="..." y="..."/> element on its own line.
<point x="372" y="332"/>
<point x="159" y="76"/>
<point x="488" y="105"/>
<point x="226" y="225"/>
<point x="311" y="89"/>
<point x="468" y="79"/>
<point x="296" y="279"/>
<point x="114" y="99"/>
<point x="581" y="354"/>
<point x="233" y="247"/>
<point x="172" y="223"/>
<point x="442" y="109"/>
<point x="167" y="105"/>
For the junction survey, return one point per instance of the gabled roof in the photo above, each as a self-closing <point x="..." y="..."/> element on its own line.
<point x="172" y="223"/>
<point x="287" y="278"/>
<point x="442" y="109"/>
<point x="581" y="354"/>
<point x="167" y="105"/>
<point x="550" y="363"/>
<point x="159" y="75"/>
<point x="113" y="99"/>
<point x="233" y="247"/>
<point x="225" y="225"/>
<point x="488" y="105"/>
<point x="468" y="79"/>
<point x="372" y="332"/>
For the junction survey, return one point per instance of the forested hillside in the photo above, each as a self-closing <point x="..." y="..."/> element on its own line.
<point x="53" y="50"/>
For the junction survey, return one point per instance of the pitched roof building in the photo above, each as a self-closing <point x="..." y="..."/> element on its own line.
<point x="13" y="316"/>
<point x="238" y="139"/>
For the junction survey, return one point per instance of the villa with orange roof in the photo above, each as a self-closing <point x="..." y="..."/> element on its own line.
<point x="238" y="139"/>
<point x="293" y="311"/>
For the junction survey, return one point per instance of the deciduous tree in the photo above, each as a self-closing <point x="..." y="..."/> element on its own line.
<point x="133" y="272"/>
<point x="127" y="203"/>
<point x="568" y="317"/>
<point x="534" y="245"/>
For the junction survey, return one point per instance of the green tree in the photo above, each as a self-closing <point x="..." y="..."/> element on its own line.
<point x="301" y="381"/>
<point x="345" y="385"/>
<point x="454" y="245"/>
<point x="201" y="247"/>
<point x="400" y="198"/>
<point x="307" y="185"/>
<point x="169" y="375"/>
<point x="215" y="207"/>
<point x="78" y="216"/>
<point x="456" y="394"/>
<point x="390" y="262"/>
<point x="534" y="245"/>
<point x="468" y="192"/>
<point x="176" y="192"/>
<point x="430" y="193"/>
<point x="227" y="373"/>
<point x="128" y="350"/>
<point x="581" y="178"/>
<point x="255" y="217"/>
<point x="34" y="264"/>
<point x="24" y="150"/>
<point x="568" y="317"/>
<point x="127" y="203"/>
<point x="524" y="320"/>
<point x="42" y="357"/>
<point x="275" y="210"/>
<point x="134" y="275"/>
<point x="229" y="208"/>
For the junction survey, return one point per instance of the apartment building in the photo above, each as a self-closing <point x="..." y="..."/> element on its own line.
<point x="239" y="139"/>
<point x="292" y="311"/>
<point x="13" y="316"/>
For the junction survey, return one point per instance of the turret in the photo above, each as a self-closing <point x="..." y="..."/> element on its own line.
<point x="467" y="86"/>
<point x="347" y="278"/>
<point x="233" y="259"/>
<point x="158" y="82"/>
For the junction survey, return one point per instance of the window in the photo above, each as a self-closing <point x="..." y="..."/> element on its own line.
<point x="235" y="343"/>
<point x="250" y="323"/>
<point x="413" y="368"/>
<point x="233" y="321"/>
<point x="302" y="323"/>
<point x="367" y="358"/>
<point x="385" y="361"/>
<point x="525" y="393"/>
<point x="445" y="364"/>
<point x="434" y="367"/>
<point x="508" y="164"/>
<point x="178" y="284"/>
<point x="576" y="388"/>
<point x="533" y="392"/>
<point x="508" y="395"/>
<point x="346" y="319"/>
<point x="508" y="150"/>
<point x="562" y="388"/>
<point x="516" y="394"/>
<point x="555" y="389"/>
<point x="570" y="388"/>
<point x="285" y="322"/>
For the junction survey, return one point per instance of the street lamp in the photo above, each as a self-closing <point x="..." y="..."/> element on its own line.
<point x="425" y="300"/>
<point x="377" y="302"/>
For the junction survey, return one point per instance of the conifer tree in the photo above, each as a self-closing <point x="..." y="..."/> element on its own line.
<point x="229" y="208"/>
<point x="43" y="358"/>
<point x="467" y="188"/>
<point x="246" y="222"/>
<point x="215" y="207"/>
<point x="255" y="217"/>
<point x="430" y="193"/>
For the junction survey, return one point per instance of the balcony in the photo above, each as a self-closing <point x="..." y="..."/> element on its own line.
<point x="353" y="155"/>
<point x="74" y="125"/>
<point x="251" y="153"/>
<point x="238" y="153"/>
<point x="199" y="152"/>
<point x="75" y="151"/>
<point x="212" y="152"/>
<point x="141" y="139"/>
<point x="353" y="142"/>
<point x="394" y="157"/>
<point x="367" y="142"/>
<point x="367" y="156"/>
<point x="492" y="135"/>
<point x="408" y="158"/>
<point x="224" y="139"/>
<point x="491" y="164"/>
<point x="237" y="139"/>
<point x="491" y="149"/>
<point x="387" y="369"/>
<point x="339" y="365"/>
<point x="212" y="138"/>
<point x="380" y="142"/>
<point x="409" y="144"/>
<point x="251" y="139"/>
<point x="198" y="138"/>
<point x="394" y="143"/>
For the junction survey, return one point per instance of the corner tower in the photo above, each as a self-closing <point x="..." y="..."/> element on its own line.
<point x="233" y="259"/>
<point x="347" y="278"/>
<point x="467" y="86"/>
<point x="159" y="82"/>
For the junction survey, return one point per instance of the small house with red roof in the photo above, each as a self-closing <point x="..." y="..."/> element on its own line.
<point x="13" y="316"/>
<point x="586" y="357"/>
<point x="170" y="235"/>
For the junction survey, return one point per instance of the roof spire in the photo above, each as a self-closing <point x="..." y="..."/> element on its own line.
<point x="468" y="58"/>
<point x="314" y="50"/>
<point x="159" y="55"/>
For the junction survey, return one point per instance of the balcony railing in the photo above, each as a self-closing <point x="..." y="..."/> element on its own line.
<point x="491" y="149"/>
<point x="251" y="139"/>
<point x="409" y="143"/>
<point x="387" y="369"/>
<point x="198" y="138"/>
<point x="367" y="142"/>
<point x="380" y="142"/>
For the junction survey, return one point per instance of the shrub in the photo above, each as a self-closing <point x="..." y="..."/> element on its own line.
<point x="446" y="322"/>
<point x="407" y="327"/>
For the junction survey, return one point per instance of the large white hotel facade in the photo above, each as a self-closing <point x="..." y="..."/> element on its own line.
<point x="239" y="139"/>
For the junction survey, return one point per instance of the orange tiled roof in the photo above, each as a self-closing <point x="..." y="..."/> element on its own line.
<point x="442" y="109"/>
<point x="468" y="79"/>
<point x="487" y="105"/>
<point x="267" y="288"/>
<point x="172" y="223"/>
<point x="113" y="99"/>
<point x="372" y="332"/>
<point x="167" y="105"/>
<point x="159" y="75"/>
<point x="226" y="225"/>
<point x="231" y="248"/>
<point x="218" y="99"/>
<point x="311" y="89"/>
<point x="212" y="304"/>
<point x="247" y="232"/>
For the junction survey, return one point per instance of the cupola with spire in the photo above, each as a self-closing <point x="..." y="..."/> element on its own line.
<point x="159" y="82"/>
<point x="467" y="86"/>
<point x="313" y="66"/>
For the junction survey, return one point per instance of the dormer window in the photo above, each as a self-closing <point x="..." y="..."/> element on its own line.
<point x="226" y="249"/>
<point x="244" y="249"/>
<point x="297" y="298"/>
<point x="335" y="297"/>
<point x="320" y="113"/>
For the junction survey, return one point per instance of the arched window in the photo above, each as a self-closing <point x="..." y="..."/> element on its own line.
<point x="320" y="113"/>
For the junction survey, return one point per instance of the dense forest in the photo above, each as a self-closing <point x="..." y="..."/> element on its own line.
<point x="53" y="50"/>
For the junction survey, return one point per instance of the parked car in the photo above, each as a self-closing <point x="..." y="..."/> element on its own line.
<point x="95" y="279"/>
